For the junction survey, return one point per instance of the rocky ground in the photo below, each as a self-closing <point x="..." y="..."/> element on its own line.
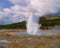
<point x="29" y="41"/>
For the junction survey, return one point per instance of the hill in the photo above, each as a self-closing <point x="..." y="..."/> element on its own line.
<point x="49" y="17"/>
<point x="44" y="21"/>
<point x="18" y="25"/>
<point x="49" y="20"/>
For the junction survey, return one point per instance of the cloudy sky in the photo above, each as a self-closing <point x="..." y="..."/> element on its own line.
<point x="12" y="11"/>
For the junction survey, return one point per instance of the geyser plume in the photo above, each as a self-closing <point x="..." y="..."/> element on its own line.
<point x="32" y="24"/>
<point x="42" y="7"/>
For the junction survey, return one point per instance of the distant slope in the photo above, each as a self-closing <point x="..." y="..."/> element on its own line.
<point x="44" y="21"/>
<point x="50" y="17"/>
<point x="19" y="25"/>
<point x="52" y="22"/>
<point x="49" y="20"/>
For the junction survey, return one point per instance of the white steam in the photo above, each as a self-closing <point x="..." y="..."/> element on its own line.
<point x="21" y="9"/>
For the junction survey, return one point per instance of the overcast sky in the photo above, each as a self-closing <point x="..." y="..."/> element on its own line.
<point x="12" y="11"/>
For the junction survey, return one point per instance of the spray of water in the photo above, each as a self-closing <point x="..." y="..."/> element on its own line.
<point x="32" y="24"/>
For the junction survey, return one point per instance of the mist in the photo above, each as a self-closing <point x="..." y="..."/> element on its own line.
<point x="22" y="10"/>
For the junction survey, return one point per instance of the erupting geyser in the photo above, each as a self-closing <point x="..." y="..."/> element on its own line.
<point x="42" y="7"/>
<point x="32" y="24"/>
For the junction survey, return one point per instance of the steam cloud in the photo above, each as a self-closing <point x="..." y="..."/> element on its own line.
<point x="22" y="9"/>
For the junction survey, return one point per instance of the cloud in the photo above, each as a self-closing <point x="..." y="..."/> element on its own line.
<point x="41" y="6"/>
<point x="45" y="6"/>
<point x="14" y="14"/>
<point x="22" y="9"/>
<point x="5" y="4"/>
<point x="20" y="2"/>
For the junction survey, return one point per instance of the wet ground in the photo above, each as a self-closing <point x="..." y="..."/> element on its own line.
<point x="11" y="40"/>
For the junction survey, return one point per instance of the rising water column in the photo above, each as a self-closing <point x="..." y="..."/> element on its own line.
<point x="32" y="24"/>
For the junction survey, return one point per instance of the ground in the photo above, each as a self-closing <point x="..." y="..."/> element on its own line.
<point x="29" y="41"/>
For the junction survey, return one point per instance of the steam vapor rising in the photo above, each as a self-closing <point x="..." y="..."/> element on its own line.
<point x="32" y="24"/>
<point x="21" y="10"/>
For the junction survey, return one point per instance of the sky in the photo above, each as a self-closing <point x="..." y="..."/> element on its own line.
<point x="13" y="11"/>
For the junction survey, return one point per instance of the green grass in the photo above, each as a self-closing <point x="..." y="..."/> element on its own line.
<point x="50" y="22"/>
<point x="18" y="25"/>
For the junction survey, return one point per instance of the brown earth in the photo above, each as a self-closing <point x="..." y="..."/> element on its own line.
<point x="13" y="30"/>
<point x="30" y="41"/>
